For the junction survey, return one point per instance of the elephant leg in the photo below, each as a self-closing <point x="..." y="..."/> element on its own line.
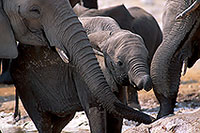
<point x="168" y="101"/>
<point x="132" y="97"/>
<point x="60" y="122"/>
<point x="167" y="104"/>
<point x="97" y="120"/>
<point x="42" y="120"/>
<point x="114" y="124"/>
<point x="90" y="4"/>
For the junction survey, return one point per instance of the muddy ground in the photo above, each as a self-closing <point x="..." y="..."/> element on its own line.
<point x="188" y="96"/>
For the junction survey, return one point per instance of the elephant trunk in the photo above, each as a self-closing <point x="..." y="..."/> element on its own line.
<point x="139" y="73"/>
<point x="167" y="62"/>
<point x="67" y="34"/>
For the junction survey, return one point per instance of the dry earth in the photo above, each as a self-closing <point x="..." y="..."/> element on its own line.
<point x="188" y="97"/>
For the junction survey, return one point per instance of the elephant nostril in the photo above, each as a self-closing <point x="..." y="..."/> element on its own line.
<point x="145" y="82"/>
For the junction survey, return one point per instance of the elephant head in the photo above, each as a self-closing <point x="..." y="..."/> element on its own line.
<point x="181" y="43"/>
<point x="53" y="23"/>
<point x="126" y="57"/>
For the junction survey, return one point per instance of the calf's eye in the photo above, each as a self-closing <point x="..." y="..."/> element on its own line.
<point x="119" y="63"/>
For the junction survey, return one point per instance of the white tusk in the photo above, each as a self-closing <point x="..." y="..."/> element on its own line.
<point x="62" y="55"/>
<point x="98" y="52"/>
<point x="190" y="9"/>
<point x="185" y="64"/>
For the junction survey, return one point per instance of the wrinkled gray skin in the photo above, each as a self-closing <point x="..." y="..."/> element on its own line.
<point x="136" y="20"/>
<point x="38" y="22"/>
<point x="181" y="42"/>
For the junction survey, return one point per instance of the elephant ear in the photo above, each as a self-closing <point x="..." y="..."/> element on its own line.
<point x="8" y="47"/>
<point x="98" y="40"/>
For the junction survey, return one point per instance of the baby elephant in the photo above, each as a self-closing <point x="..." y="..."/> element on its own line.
<point x="125" y="57"/>
<point x="125" y="53"/>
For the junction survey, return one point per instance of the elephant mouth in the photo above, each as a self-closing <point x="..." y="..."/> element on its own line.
<point x="134" y="86"/>
<point x="122" y="80"/>
<point x="40" y="36"/>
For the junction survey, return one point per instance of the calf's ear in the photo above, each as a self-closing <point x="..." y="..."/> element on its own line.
<point x="8" y="46"/>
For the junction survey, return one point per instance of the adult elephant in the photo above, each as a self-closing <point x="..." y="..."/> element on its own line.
<point x="5" y="77"/>
<point x="53" y="23"/>
<point x="181" y="43"/>
<point x="52" y="91"/>
<point x="55" y="79"/>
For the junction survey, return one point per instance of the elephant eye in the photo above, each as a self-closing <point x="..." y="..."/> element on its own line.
<point x="119" y="63"/>
<point x="35" y="11"/>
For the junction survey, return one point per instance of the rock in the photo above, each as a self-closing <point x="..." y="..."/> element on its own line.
<point x="180" y="123"/>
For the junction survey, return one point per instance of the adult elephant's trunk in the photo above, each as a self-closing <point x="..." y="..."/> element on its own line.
<point x="167" y="61"/>
<point x="66" y="33"/>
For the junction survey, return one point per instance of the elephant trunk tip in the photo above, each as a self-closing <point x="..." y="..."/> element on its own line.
<point x="145" y="82"/>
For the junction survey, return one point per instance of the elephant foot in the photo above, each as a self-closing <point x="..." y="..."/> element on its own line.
<point x="167" y="105"/>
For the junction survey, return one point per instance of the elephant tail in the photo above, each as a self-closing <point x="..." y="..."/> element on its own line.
<point x="17" y="114"/>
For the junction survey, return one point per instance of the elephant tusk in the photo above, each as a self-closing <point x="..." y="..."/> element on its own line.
<point x="98" y="52"/>
<point x="190" y="9"/>
<point x="62" y="55"/>
<point x="65" y="58"/>
<point x="185" y="65"/>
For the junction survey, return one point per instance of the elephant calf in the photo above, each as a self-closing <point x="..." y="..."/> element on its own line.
<point x="125" y="54"/>
<point x="136" y="20"/>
